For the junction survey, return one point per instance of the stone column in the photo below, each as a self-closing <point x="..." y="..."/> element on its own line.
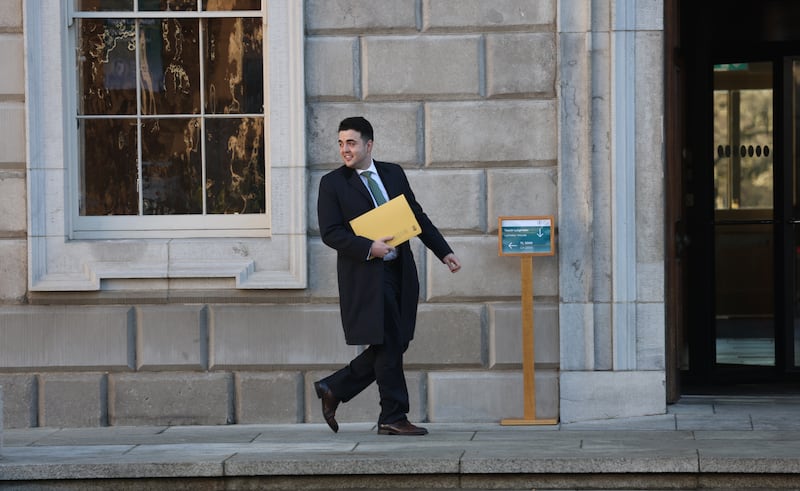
<point x="611" y="209"/>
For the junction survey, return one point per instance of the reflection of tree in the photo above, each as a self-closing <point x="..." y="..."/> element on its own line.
<point x="166" y="76"/>
<point x="234" y="66"/>
<point x="108" y="66"/>
<point x="109" y="167"/>
<point x="171" y="167"/>
<point x="233" y="4"/>
<point x="755" y="134"/>
<point x="235" y="180"/>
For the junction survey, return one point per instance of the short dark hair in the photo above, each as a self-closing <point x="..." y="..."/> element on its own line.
<point x="359" y="124"/>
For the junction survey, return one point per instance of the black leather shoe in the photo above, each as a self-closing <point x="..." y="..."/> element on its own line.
<point x="402" y="427"/>
<point x="329" y="404"/>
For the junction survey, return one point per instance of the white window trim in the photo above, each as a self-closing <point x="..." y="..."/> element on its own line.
<point x="58" y="261"/>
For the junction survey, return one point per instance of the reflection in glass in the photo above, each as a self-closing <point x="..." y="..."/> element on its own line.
<point x="165" y="5"/>
<point x="107" y="66"/>
<point x="742" y="124"/>
<point x="171" y="5"/>
<point x="165" y="81"/>
<point x="796" y="323"/>
<point x="235" y="180"/>
<point x="170" y="66"/>
<point x="234" y="66"/>
<point x="744" y="294"/>
<point x="109" y="167"/>
<point x="722" y="163"/>
<point x="171" y="167"/>
<point x="104" y="5"/>
<point x="232" y="4"/>
<point x="796" y="204"/>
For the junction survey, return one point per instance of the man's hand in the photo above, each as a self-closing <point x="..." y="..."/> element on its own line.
<point x="380" y="247"/>
<point x="452" y="262"/>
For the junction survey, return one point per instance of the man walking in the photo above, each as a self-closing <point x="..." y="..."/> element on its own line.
<point x="378" y="284"/>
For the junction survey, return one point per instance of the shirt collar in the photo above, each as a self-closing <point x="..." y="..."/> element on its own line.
<point x="371" y="168"/>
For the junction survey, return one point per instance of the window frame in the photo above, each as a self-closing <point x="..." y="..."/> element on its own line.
<point x="66" y="255"/>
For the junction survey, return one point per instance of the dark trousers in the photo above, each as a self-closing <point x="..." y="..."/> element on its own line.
<point x="381" y="363"/>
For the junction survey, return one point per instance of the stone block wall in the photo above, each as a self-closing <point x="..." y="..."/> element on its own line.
<point x="13" y="226"/>
<point x="462" y="94"/>
<point x="78" y="366"/>
<point x="13" y="247"/>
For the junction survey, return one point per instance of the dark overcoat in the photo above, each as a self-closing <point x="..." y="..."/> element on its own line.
<point x="342" y="197"/>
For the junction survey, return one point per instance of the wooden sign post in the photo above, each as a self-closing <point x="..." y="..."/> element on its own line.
<point x="527" y="236"/>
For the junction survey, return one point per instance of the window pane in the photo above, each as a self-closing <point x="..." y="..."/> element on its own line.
<point x="743" y="146"/>
<point x="232" y="5"/>
<point x="756" y="131"/>
<point x="107" y="66"/>
<point x="186" y="151"/>
<point x="104" y="5"/>
<point x="170" y="66"/>
<point x="234" y="66"/>
<point x="171" y="167"/>
<point x="723" y="155"/>
<point x="163" y="5"/>
<point x="235" y="165"/>
<point x="109" y="171"/>
<point x="744" y="294"/>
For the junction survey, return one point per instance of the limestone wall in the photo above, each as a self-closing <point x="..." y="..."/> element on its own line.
<point x="235" y="363"/>
<point x="13" y="249"/>
<point x="462" y="93"/>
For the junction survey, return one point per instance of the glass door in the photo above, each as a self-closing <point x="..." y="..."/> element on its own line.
<point x="744" y="220"/>
<point x="736" y="190"/>
<point x="793" y="221"/>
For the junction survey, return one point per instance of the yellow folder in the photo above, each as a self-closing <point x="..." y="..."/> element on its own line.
<point x="393" y="218"/>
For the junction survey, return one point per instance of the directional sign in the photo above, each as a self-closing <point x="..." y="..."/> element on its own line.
<point x="525" y="236"/>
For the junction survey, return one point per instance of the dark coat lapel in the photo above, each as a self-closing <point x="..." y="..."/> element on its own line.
<point x="354" y="180"/>
<point x="389" y="182"/>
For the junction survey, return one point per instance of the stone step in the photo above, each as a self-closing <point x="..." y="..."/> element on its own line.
<point x="1" y="421"/>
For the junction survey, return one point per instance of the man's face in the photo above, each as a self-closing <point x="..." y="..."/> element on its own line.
<point x="355" y="153"/>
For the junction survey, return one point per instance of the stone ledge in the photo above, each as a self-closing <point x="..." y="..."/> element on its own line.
<point x="109" y="470"/>
<point x="402" y="462"/>
<point x="445" y="470"/>
<point x="1" y="421"/>
<point x="626" y="454"/>
<point x="514" y="460"/>
<point x="444" y="481"/>
<point x="592" y="395"/>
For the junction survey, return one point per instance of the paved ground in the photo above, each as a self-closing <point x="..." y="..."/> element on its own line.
<point x="723" y="443"/>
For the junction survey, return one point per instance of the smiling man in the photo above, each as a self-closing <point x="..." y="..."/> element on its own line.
<point x="378" y="284"/>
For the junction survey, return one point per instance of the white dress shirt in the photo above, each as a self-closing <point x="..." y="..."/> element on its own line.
<point x="375" y="177"/>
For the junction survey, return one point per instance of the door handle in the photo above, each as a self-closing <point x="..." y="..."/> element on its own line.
<point x="682" y="242"/>
<point x="746" y="222"/>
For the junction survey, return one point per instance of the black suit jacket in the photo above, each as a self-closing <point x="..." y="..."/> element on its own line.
<point x="342" y="197"/>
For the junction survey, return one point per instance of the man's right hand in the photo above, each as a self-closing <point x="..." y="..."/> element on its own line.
<point x="380" y="247"/>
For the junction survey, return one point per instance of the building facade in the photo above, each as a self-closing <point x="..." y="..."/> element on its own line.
<point x="494" y="108"/>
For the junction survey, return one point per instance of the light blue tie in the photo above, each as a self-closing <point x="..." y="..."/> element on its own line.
<point x="374" y="188"/>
